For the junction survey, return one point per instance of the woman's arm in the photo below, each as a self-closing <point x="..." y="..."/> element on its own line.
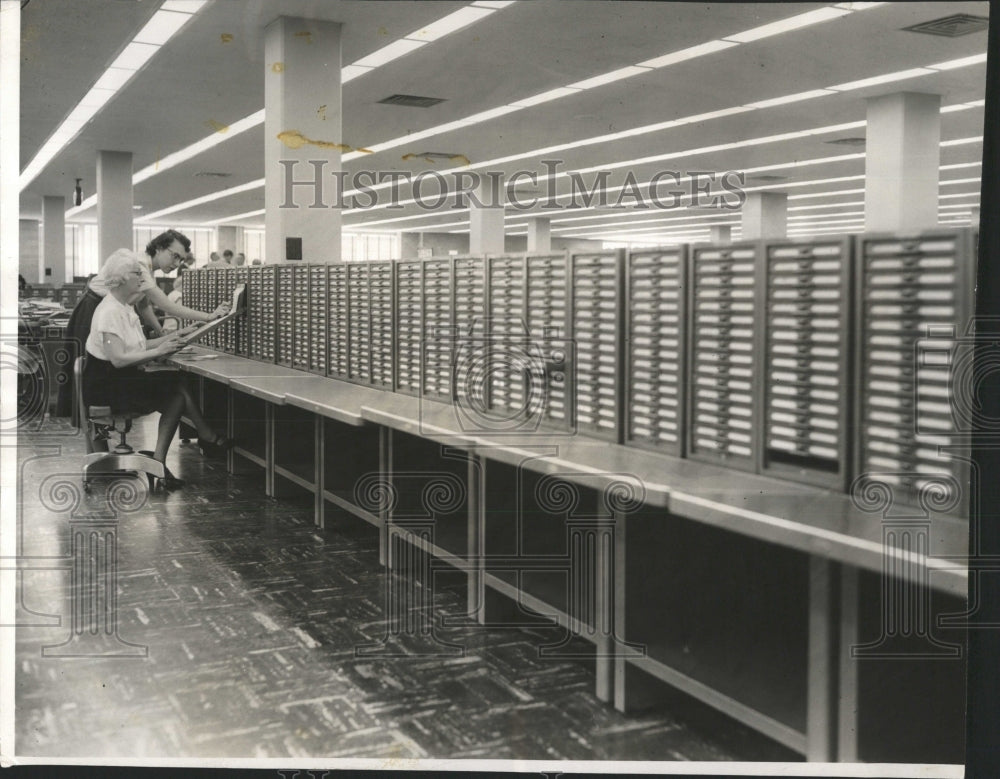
<point x="158" y="298"/>
<point x="114" y="348"/>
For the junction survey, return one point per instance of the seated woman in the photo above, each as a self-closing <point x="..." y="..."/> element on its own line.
<point x="164" y="253"/>
<point x="116" y="347"/>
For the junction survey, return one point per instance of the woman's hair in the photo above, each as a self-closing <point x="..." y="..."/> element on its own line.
<point x="117" y="267"/>
<point x="164" y="240"/>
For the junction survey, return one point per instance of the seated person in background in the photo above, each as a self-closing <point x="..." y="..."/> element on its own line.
<point x="255" y="262"/>
<point x="116" y="348"/>
<point x="241" y="259"/>
<point x="165" y="252"/>
<point x="22" y="284"/>
<point x="225" y="262"/>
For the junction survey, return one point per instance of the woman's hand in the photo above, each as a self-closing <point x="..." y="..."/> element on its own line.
<point x="186" y="330"/>
<point x="221" y="311"/>
<point x="169" y="345"/>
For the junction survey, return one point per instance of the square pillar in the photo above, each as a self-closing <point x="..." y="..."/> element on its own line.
<point x="302" y="140"/>
<point x="230" y="237"/>
<point x="720" y="234"/>
<point x="539" y="234"/>
<point x="902" y="160"/>
<point x="29" y="257"/>
<point x="54" y="238"/>
<point x="486" y="227"/>
<point x="765" y="215"/>
<point x="114" y="202"/>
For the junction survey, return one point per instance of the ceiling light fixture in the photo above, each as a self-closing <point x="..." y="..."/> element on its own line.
<point x="163" y="25"/>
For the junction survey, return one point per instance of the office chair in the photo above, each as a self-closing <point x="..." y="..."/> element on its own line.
<point x="98" y="423"/>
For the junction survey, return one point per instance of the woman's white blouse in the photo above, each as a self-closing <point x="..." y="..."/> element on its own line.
<point x="115" y="318"/>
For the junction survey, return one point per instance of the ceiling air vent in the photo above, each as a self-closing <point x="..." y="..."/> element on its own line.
<point x="209" y="174"/>
<point x="952" y="26"/>
<point x="847" y="141"/>
<point x="414" y="101"/>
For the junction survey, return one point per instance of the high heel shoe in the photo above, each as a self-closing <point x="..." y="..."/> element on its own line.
<point x="168" y="482"/>
<point x="218" y="447"/>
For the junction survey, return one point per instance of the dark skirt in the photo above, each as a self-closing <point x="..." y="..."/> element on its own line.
<point x="76" y="336"/>
<point x="128" y="389"/>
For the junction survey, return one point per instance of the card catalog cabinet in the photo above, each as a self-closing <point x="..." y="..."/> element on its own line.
<point x="470" y="327"/>
<point x="383" y="326"/>
<point x="721" y="417"/>
<point x="655" y="348"/>
<point x="213" y="280"/>
<point x="806" y="367"/>
<point x="547" y="317"/>
<point x="255" y="312"/>
<point x="504" y="350"/>
<point x="916" y="300"/>
<point x="359" y="318"/>
<point x="438" y="328"/>
<point x="409" y="335"/>
<point x="338" y="334"/>
<point x="269" y="309"/>
<point x="597" y="330"/>
<point x="319" y="314"/>
<point x="300" y="317"/>
<point x="285" y="334"/>
<point x="240" y="347"/>
<point x="227" y="332"/>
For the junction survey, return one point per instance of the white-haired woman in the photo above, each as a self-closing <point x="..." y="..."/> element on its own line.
<point x="116" y="348"/>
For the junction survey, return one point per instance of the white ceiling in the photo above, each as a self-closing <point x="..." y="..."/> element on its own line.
<point x="198" y="79"/>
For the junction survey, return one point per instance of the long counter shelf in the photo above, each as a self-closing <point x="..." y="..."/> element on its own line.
<point x="813" y="520"/>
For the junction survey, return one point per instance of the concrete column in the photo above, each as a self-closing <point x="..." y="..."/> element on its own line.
<point x="486" y="220"/>
<point x="54" y="238"/>
<point x="230" y="237"/>
<point x="765" y="215"/>
<point x="720" y="234"/>
<point x="902" y="160"/>
<point x="29" y="256"/>
<point x="114" y="202"/>
<point x="539" y="234"/>
<point x="302" y="137"/>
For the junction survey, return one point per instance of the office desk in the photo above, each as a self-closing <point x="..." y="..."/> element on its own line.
<point x="745" y="591"/>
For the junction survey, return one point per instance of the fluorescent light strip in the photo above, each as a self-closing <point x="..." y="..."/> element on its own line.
<point x="775" y="28"/>
<point x="827" y="205"/>
<point x="436" y="30"/>
<point x="806" y="217"/>
<point x="787" y="25"/>
<point x="691" y="219"/>
<point x="247" y="123"/>
<point x="250" y="185"/>
<point x="154" y="32"/>
<point x="161" y="27"/>
<point x="236" y="217"/>
<point x="958" y="194"/>
<point x="834" y="193"/>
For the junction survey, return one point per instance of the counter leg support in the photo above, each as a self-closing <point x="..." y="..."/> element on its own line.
<point x="821" y="704"/>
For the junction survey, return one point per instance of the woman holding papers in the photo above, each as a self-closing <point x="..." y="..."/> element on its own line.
<point x="116" y="347"/>
<point x="165" y="253"/>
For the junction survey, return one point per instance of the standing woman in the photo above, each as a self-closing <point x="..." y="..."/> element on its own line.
<point x="117" y="347"/>
<point x="165" y="252"/>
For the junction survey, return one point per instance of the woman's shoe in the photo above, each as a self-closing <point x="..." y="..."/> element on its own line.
<point x="168" y="482"/>
<point x="216" y="448"/>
